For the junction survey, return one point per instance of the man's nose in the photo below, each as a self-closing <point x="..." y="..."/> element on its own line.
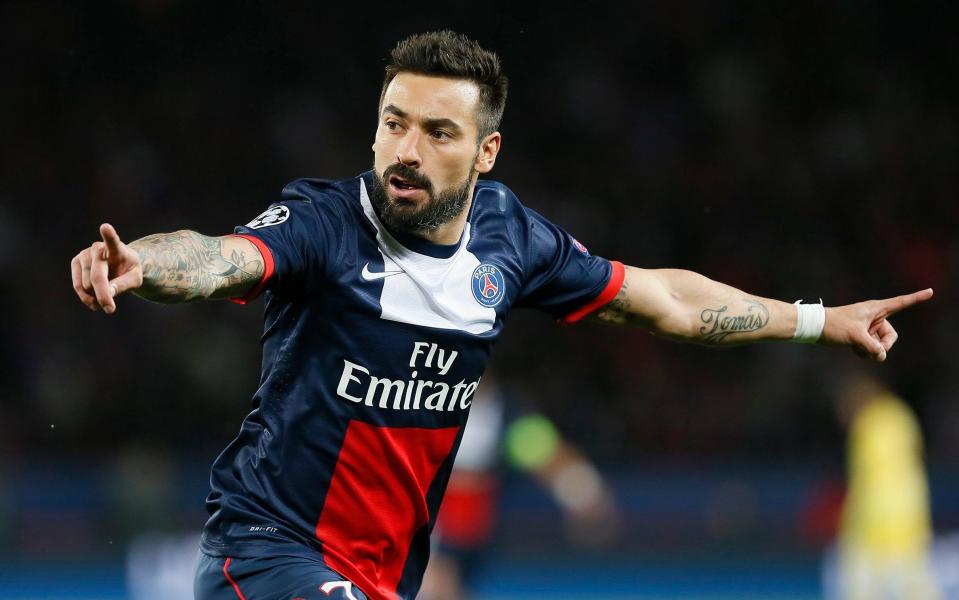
<point x="407" y="152"/>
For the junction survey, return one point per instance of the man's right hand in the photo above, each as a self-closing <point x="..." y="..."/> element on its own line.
<point x="105" y="270"/>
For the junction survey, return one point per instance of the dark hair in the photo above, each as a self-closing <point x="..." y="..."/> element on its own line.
<point x="450" y="54"/>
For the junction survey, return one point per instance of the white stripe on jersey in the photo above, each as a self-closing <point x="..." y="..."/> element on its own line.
<point x="434" y="292"/>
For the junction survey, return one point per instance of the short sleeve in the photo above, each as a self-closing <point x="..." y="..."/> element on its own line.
<point x="298" y="238"/>
<point x="563" y="279"/>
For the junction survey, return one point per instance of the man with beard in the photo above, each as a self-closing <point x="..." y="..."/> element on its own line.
<point x="384" y="296"/>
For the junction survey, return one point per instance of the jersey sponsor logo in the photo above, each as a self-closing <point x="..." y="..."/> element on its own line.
<point x="347" y="587"/>
<point x="374" y="275"/>
<point x="358" y="385"/>
<point x="488" y="285"/>
<point x="269" y="217"/>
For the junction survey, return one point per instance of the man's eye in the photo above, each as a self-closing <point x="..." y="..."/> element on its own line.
<point x="440" y="135"/>
<point x="392" y="125"/>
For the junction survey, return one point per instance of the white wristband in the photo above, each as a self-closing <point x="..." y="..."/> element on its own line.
<point x="810" y="320"/>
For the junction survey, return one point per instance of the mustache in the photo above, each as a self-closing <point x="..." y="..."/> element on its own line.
<point x="409" y="174"/>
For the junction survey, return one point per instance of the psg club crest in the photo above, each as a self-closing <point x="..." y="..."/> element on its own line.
<point x="271" y="216"/>
<point x="488" y="285"/>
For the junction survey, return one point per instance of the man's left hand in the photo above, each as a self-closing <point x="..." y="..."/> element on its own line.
<point x="864" y="326"/>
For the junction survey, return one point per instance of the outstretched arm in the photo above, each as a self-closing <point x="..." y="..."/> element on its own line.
<point x="185" y="266"/>
<point x="690" y="307"/>
<point x="166" y="267"/>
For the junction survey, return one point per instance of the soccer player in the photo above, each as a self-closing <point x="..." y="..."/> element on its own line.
<point x="885" y="535"/>
<point x="384" y="294"/>
<point x="531" y="443"/>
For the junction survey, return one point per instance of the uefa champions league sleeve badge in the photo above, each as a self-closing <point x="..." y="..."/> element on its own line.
<point x="271" y="216"/>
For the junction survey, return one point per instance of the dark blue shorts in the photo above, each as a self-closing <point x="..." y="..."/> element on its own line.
<point x="269" y="578"/>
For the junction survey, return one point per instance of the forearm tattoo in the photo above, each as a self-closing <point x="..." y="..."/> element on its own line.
<point x="618" y="310"/>
<point x="718" y="325"/>
<point x="185" y="266"/>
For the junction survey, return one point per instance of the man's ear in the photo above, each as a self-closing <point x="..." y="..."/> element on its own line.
<point x="488" y="149"/>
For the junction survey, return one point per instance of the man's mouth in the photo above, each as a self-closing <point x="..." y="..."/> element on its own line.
<point x="403" y="188"/>
<point x="402" y="184"/>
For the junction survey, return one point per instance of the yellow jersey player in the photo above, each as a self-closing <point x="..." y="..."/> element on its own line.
<point x="885" y="531"/>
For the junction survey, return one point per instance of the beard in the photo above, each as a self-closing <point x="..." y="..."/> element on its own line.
<point x="401" y="216"/>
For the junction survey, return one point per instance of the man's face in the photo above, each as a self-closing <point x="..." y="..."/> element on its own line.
<point x="425" y="152"/>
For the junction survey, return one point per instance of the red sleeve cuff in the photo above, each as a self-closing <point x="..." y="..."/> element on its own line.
<point x="612" y="288"/>
<point x="267" y="271"/>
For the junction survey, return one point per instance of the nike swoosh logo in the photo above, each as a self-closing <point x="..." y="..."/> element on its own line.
<point x="374" y="275"/>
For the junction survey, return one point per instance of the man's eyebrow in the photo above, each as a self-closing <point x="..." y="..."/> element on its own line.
<point x="432" y="124"/>
<point x="429" y="124"/>
<point x="396" y="110"/>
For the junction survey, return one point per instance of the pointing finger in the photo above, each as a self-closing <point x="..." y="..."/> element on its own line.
<point x="111" y="239"/>
<point x="891" y="306"/>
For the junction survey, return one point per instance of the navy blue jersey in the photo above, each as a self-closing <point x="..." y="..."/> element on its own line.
<point x="373" y="346"/>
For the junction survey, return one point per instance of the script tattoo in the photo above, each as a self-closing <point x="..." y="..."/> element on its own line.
<point x="717" y="325"/>
<point x="185" y="266"/>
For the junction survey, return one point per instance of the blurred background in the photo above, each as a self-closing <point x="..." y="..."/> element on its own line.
<point x="793" y="149"/>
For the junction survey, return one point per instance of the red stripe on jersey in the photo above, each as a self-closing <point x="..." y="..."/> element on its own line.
<point x="612" y="288"/>
<point x="236" y="588"/>
<point x="377" y="501"/>
<point x="267" y="271"/>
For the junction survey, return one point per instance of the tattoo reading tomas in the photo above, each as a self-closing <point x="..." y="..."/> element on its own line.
<point x="717" y="325"/>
